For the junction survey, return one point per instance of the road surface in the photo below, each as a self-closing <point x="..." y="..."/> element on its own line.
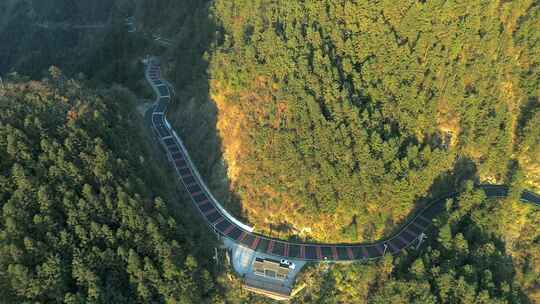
<point x="229" y="227"/>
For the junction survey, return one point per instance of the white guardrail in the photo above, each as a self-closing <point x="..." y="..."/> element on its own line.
<point x="194" y="168"/>
<point x="203" y="184"/>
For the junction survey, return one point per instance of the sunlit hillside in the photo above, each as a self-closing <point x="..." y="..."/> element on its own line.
<point x="349" y="113"/>
<point x="316" y="122"/>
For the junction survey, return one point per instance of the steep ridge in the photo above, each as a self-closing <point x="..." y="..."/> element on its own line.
<point x="57" y="32"/>
<point x="227" y="226"/>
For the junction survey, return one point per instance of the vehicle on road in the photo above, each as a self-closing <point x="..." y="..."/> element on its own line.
<point x="288" y="263"/>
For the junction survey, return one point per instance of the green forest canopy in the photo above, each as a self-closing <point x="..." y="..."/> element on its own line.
<point x="336" y="116"/>
<point x="481" y="251"/>
<point x="80" y="220"/>
<point x="471" y="257"/>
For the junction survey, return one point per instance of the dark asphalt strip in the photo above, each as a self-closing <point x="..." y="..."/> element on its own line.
<point x="404" y="238"/>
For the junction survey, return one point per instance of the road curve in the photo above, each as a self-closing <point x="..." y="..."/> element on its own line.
<point x="227" y="226"/>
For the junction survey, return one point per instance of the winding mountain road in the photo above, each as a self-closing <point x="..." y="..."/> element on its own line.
<point x="227" y="226"/>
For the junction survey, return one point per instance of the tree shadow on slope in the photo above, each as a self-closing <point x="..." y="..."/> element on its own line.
<point x="529" y="108"/>
<point x="193" y="114"/>
<point x="39" y="33"/>
<point x="470" y="257"/>
<point x="447" y="183"/>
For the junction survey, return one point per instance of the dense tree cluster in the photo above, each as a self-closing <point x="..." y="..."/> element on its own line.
<point x="464" y="260"/>
<point x="32" y="47"/>
<point x="79" y="222"/>
<point x="336" y="115"/>
<point x="41" y="33"/>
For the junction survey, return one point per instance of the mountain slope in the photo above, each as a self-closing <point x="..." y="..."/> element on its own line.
<point x="335" y="117"/>
<point x="81" y="220"/>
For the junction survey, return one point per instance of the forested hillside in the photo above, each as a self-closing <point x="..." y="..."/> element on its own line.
<point x="81" y="216"/>
<point x="82" y="221"/>
<point x="471" y="257"/>
<point x="26" y="42"/>
<point x="335" y="117"/>
<point x="37" y="34"/>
